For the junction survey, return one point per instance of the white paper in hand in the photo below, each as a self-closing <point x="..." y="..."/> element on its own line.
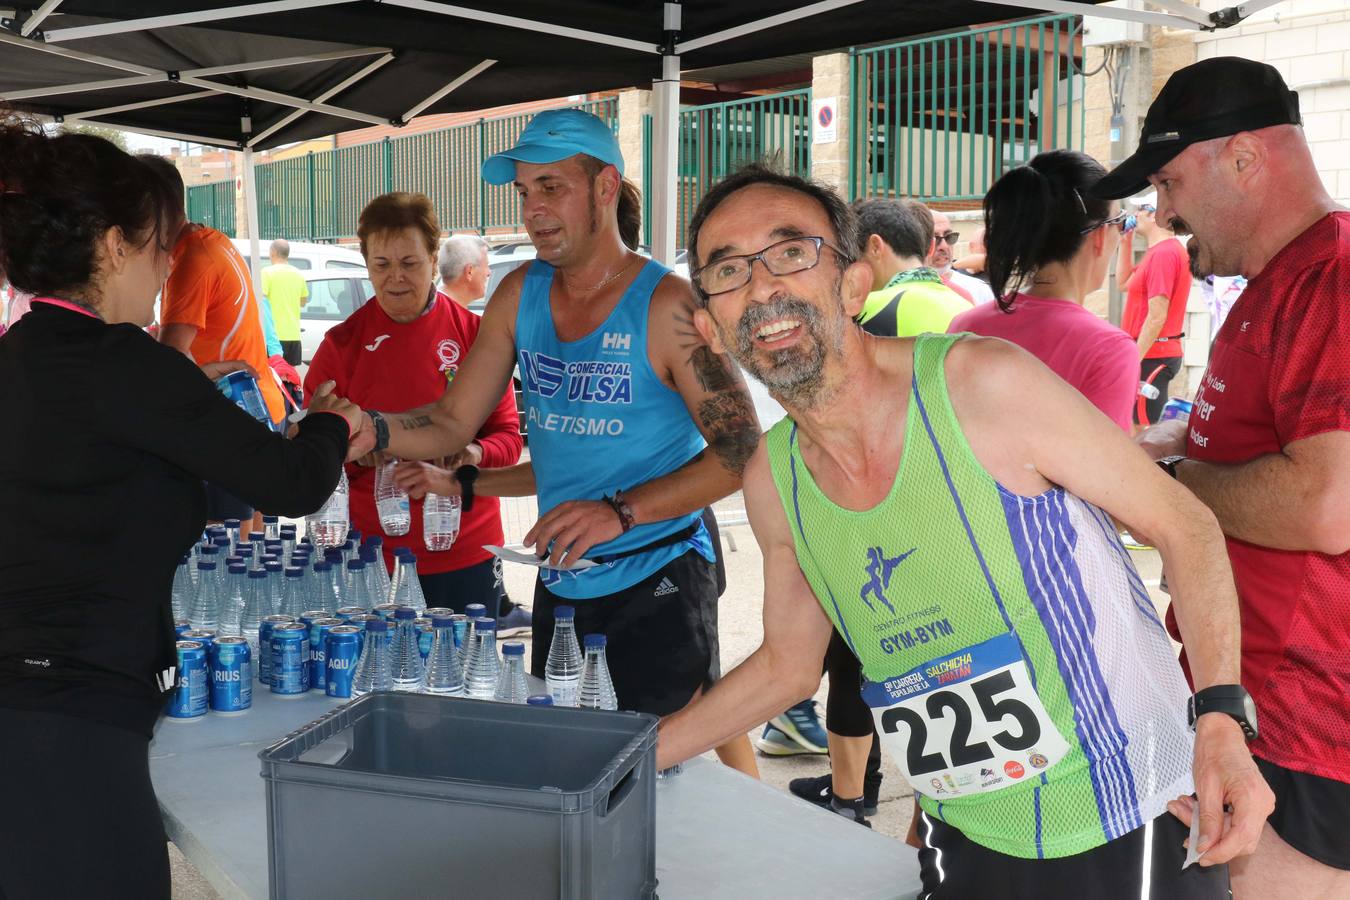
<point x="529" y="559"/>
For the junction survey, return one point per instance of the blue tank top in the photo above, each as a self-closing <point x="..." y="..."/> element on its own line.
<point x="599" y="421"/>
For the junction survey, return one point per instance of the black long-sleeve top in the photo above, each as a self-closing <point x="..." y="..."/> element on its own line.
<point x="105" y="439"/>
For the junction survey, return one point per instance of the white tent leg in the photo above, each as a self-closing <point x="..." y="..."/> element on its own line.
<point x="251" y="219"/>
<point x="665" y="158"/>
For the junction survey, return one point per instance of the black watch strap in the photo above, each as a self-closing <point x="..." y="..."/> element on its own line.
<point x="381" y="429"/>
<point x="466" y="476"/>
<point x="1231" y="700"/>
<point x="1169" y="464"/>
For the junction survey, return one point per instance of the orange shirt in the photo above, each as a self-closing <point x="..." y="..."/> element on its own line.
<point x="209" y="288"/>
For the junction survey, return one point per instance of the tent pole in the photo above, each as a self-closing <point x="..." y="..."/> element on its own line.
<point x="665" y="140"/>
<point x="251" y="218"/>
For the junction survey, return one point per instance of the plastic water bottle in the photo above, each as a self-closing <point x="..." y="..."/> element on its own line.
<point x="511" y="686"/>
<point x="257" y="543"/>
<point x="405" y="659"/>
<point x="203" y="611"/>
<point x="391" y="501"/>
<point x="232" y="599"/>
<point x="257" y="603"/>
<point x="405" y="588"/>
<point x="182" y="590"/>
<point x="323" y="596"/>
<point x="287" y="540"/>
<point x="328" y="526"/>
<point x="484" y="667"/>
<point x="372" y="554"/>
<point x="272" y="527"/>
<point x="476" y="611"/>
<point x="562" y="672"/>
<point x="294" y="596"/>
<point x="372" y="667"/>
<point x="440" y="521"/>
<point x="443" y="675"/>
<point x="357" y="592"/>
<point x="597" y="690"/>
<point x="275" y="582"/>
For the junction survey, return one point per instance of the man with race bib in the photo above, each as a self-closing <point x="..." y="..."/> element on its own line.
<point x="1014" y="663"/>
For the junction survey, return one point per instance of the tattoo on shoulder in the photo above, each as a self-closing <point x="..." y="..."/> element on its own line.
<point x="714" y="370"/>
<point x="412" y="423"/>
<point x="729" y="419"/>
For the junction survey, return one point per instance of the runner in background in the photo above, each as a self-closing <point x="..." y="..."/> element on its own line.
<point x="971" y="288"/>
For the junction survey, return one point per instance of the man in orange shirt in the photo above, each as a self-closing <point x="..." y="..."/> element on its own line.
<point x="209" y="312"/>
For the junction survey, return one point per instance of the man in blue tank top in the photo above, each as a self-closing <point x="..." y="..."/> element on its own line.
<point x="635" y="424"/>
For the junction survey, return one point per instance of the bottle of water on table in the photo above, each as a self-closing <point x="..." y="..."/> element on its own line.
<point x="562" y="672"/>
<point x="597" y="689"/>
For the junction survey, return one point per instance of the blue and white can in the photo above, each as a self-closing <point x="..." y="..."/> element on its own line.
<point x="231" y="676"/>
<point x="461" y="631"/>
<point x="265" y="626"/>
<point x="347" y="613"/>
<point x="290" y="659"/>
<point x="242" y="388"/>
<point x="341" y="651"/>
<point x="318" y="633"/>
<point x="1177" y="408"/>
<point x="425" y="634"/>
<point x="188" y="699"/>
<point x="201" y="636"/>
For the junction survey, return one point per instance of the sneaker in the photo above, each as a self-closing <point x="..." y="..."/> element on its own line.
<point x="774" y="742"/>
<point x="850" y="809"/>
<point x="517" y="621"/>
<point x="817" y="790"/>
<point x="801" y="723"/>
<point x="1133" y="543"/>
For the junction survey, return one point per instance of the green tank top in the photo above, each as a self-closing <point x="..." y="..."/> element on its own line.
<point x="1016" y="666"/>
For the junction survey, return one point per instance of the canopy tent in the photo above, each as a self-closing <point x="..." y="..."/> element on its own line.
<point x="256" y="75"/>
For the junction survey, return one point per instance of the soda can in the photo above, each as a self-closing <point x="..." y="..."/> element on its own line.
<point x="1177" y="408"/>
<point x="290" y="659"/>
<point x="360" y="623"/>
<point x="348" y="612"/>
<point x="461" y="630"/>
<point x="203" y="637"/>
<point x="341" y="651"/>
<point x="242" y="389"/>
<point x="425" y="633"/>
<point x="188" y="700"/>
<point x="180" y="626"/>
<point x="265" y="626"/>
<point x="386" y="611"/>
<point x="318" y="631"/>
<point x="432" y="612"/>
<point x="231" y="676"/>
<point x="310" y="616"/>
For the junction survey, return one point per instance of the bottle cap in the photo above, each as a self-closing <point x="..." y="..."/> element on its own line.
<point x="295" y="572"/>
<point x="563" y="612"/>
<point x="221" y="540"/>
<point x="244" y="551"/>
<point x="287" y="530"/>
<point x="323" y="565"/>
<point x="332" y="553"/>
<point x="268" y="520"/>
<point x="539" y="700"/>
<point x="484" y="624"/>
<point x="355" y="565"/>
<point x="377" y="625"/>
<point x="271" y="565"/>
<point x="234" y="560"/>
<point x="595" y="641"/>
<point x="405" y="612"/>
<point x="442" y="622"/>
<point x="257" y="573"/>
<point x="369" y="554"/>
<point x="374" y="540"/>
<point x="238" y="568"/>
<point x="231" y="523"/>
<point x="354" y="536"/>
<point x="474" y="610"/>
<point x="205" y="565"/>
<point x="513" y="648"/>
<point x="209" y="549"/>
<point x="257" y="536"/>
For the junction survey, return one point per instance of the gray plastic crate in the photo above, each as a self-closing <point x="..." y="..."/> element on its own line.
<point x="411" y="795"/>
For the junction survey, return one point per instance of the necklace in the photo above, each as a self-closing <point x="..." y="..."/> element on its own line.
<point x="608" y="279"/>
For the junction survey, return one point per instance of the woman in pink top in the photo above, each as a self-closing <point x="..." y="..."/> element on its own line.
<point x="1049" y="242"/>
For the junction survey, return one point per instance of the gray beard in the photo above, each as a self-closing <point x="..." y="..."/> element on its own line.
<point x="795" y="375"/>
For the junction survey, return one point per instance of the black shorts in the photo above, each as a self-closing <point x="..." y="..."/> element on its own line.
<point x="291" y="352"/>
<point x="222" y="505"/>
<point x="478" y="583"/>
<point x="662" y="633"/>
<point x="80" y="817"/>
<point x="953" y="866"/>
<point x="846" y="713"/>
<point x="1166" y="370"/>
<point x="1312" y="813"/>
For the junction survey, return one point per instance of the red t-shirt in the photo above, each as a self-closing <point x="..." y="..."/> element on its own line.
<point x="1280" y="372"/>
<point x="1093" y="356"/>
<point x="1165" y="271"/>
<point x="390" y="366"/>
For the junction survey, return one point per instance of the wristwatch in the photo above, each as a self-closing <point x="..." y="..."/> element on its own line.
<point x="381" y="429"/>
<point x="1169" y="464"/>
<point x="1231" y="699"/>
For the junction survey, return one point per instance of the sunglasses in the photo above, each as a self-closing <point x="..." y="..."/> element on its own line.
<point x="950" y="237"/>
<point x="1117" y="220"/>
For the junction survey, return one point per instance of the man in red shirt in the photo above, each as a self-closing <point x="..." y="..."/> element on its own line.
<point x="1267" y="447"/>
<point x="1155" y="305"/>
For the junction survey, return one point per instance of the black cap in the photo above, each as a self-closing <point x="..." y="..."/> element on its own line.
<point x="1210" y="99"/>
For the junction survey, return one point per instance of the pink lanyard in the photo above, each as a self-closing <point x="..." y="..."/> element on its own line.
<point x="66" y="304"/>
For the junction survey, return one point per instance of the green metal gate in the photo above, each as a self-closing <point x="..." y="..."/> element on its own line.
<point x="212" y="204"/>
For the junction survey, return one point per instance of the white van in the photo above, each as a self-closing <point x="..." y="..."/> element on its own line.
<point x="307" y="257"/>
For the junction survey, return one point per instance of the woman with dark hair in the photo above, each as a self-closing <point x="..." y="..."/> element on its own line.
<point x="1048" y="242"/>
<point x="108" y="437"/>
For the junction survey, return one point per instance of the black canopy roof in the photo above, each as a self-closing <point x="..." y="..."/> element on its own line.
<point x="196" y="68"/>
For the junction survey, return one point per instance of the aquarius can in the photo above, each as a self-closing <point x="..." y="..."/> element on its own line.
<point x="425" y="633"/>
<point x="290" y="659"/>
<point x="386" y="611"/>
<point x="242" y="388"/>
<point x="180" y="626"/>
<point x="347" y="613"/>
<point x="318" y="632"/>
<point x="265" y="626"/>
<point x="342" y="649"/>
<point x="360" y="623"/>
<point x="310" y="616"/>
<point x="231" y="676"/>
<point x="432" y="612"/>
<point x="188" y="699"/>
<point x="461" y="631"/>
<point x="1177" y="408"/>
<point x="201" y="636"/>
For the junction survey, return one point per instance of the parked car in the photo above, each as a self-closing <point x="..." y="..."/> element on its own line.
<point x="334" y="294"/>
<point x="306" y="256"/>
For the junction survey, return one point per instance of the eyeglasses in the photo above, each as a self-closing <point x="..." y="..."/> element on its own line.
<point x="783" y="258"/>
<point x="1117" y="220"/>
<point x="950" y="237"/>
<point x="1148" y="208"/>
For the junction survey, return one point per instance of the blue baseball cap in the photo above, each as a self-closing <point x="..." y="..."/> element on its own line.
<point x="553" y="135"/>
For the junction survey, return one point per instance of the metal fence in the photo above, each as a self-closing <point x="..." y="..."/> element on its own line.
<point x="941" y="118"/>
<point x="319" y="196"/>
<point x="718" y="138"/>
